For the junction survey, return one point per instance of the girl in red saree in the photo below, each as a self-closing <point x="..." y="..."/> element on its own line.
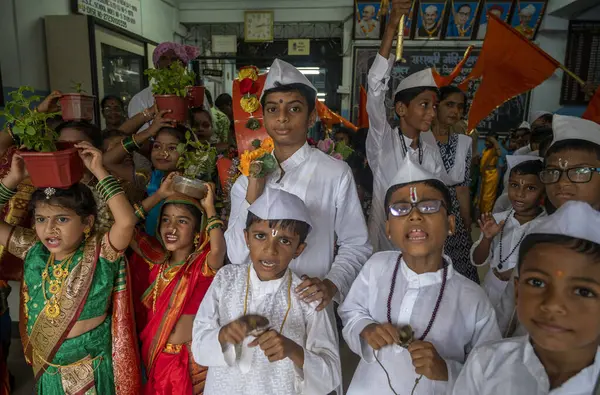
<point x="172" y="274"/>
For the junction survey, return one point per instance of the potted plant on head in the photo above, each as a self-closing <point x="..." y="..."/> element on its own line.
<point x="198" y="161"/>
<point x="77" y="106"/>
<point x="170" y="89"/>
<point x="49" y="163"/>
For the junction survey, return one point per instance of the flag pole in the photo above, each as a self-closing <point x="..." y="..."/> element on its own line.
<point x="571" y="74"/>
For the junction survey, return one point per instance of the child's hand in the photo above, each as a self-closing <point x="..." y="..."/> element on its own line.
<point x="92" y="158"/>
<point x="427" y="361"/>
<point x="380" y="335"/>
<point x="313" y="289"/>
<point x="399" y="8"/>
<point x="18" y="172"/>
<point x="166" y="187"/>
<point x="160" y="122"/>
<point x="208" y="203"/>
<point x="233" y="333"/>
<point x="277" y="347"/>
<point x="50" y="103"/>
<point x="489" y="227"/>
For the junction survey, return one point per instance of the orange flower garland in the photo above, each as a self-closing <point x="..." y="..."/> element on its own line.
<point x="258" y="162"/>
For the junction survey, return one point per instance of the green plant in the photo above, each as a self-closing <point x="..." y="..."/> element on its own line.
<point x="27" y="125"/>
<point x="198" y="159"/>
<point x="77" y="87"/>
<point x="173" y="80"/>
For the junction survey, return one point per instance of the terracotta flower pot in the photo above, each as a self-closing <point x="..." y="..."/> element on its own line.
<point x="59" y="169"/>
<point x="177" y="105"/>
<point x="77" y="107"/>
<point x="195" y="96"/>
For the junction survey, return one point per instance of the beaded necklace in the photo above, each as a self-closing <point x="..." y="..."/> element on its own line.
<point x="289" y="298"/>
<point x="389" y="317"/>
<point x="405" y="148"/>
<point x="502" y="260"/>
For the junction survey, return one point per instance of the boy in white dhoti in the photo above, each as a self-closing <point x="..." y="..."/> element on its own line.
<point x="415" y="101"/>
<point x="417" y="286"/>
<point x="502" y="233"/>
<point x="252" y="331"/>
<point x="558" y="288"/>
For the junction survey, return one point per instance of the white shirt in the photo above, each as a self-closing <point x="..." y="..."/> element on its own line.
<point x="385" y="151"/>
<point x="458" y="171"/>
<point x="511" y="367"/>
<point x="464" y="319"/>
<point x="525" y="150"/>
<point x="243" y="370"/>
<point x="501" y="293"/>
<point x="327" y="187"/>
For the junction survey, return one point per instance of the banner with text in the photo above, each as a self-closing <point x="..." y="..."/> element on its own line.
<point x="125" y="14"/>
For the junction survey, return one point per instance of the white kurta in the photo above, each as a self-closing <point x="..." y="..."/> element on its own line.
<point x="245" y="371"/>
<point x="464" y="320"/>
<point x="511" y="367"/>
<point x="141" y="101"/>
<point x="385" y="151"/>
<point x="327" y="187"/>
<point x="502" y="293"/>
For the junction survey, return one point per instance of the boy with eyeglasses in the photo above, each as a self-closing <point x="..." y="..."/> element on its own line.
<point x="572" y="162"/>
<point x="415" y="286"/>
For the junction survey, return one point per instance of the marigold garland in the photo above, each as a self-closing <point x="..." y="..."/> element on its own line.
<point x="249" y="104"/>
<point x="248" y="72"/>
<point x="258" y="162"/>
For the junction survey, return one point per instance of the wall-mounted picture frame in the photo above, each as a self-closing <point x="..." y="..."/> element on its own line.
<point x="462" y="18"/>
<point x="408" y="21"/>
<point x="367" y="21"/>
<point x="499" y="8"/>
<point x="430" y="19"/>
<point x="527" y="17"/>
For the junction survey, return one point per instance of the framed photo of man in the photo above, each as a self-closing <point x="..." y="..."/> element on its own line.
<point x="461" y="23"/>
<point x="367" y="23"/>
<point x="499" y="8"/>
<point x="430" y="18"/>
<point x="527" y="17"/>
<point x="408" y="21"/>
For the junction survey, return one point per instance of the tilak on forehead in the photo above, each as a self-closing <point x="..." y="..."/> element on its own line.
<point x="413" y="195"/>
<point x="563" y="163"/>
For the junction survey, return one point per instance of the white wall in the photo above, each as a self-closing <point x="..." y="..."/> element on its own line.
<point x="23" y="45"/>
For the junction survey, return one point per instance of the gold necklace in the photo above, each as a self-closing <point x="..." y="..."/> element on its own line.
<point x="289" y="303"/>
<point x="170" y="274"/>
<point x="60" y="272"/>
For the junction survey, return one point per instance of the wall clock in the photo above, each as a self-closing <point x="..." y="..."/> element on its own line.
<point x="258" y="26"/>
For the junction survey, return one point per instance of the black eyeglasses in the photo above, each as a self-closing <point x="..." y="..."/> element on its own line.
<point x="578" y="175"/>
<point x="402" y="209"/>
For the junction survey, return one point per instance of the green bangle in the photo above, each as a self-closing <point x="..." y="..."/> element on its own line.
<point x="130" y="145"/>
<point x="215" y="226"/>
<point x="5" y="194"/>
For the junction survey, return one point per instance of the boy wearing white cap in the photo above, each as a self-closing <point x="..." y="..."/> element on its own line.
<point x="557" y="301"/>
<point x="251" y="331"/>
<point x="417" y="286"/>
<point x="572" y="162"/>
<point x="326" y="186"/>
<point x="502" y="233"/>
<point x="415" y="102"/>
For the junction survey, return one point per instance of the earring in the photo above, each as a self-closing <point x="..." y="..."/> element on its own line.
<point x="196" y="240"/>
<point x="87" y="232"/>
<point x="449" y="233"/>
<point x="389" y="237"/>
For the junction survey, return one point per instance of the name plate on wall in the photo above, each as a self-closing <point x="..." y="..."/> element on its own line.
<point x="125" y="14"/>
<point x="299" y="46"/>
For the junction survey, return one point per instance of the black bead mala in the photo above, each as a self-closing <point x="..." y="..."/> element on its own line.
<point x="405" y="149"/>
<point x="502" y="260"/>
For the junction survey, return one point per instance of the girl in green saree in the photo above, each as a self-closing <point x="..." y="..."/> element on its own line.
<point x="75" y="305"/>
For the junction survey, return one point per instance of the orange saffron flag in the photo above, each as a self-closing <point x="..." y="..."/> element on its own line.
<point x="442" y="81"/>
<point x="329" y="118"/>
<point x="363" y="116"/>
<point x="592" y="113"/>
<point x="508" y="65"/>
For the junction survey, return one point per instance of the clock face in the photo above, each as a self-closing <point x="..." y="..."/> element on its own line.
<point x="258" y="26"/>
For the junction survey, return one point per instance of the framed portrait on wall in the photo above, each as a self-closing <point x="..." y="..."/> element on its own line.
<point x="527" y="17"/>
<point x="430" y="18"/>
<point x="499" y="8"/>
<point x="408" y="21"/>
<point x="461" y="23"/>
<point x="367" y="22"/>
